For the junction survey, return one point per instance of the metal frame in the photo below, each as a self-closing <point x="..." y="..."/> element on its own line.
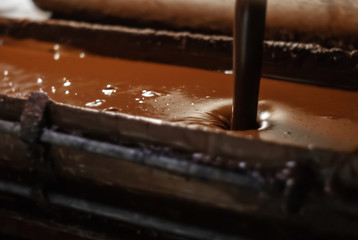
<point x="118" y="214"/>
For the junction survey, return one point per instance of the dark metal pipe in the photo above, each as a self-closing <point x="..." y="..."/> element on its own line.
<point x="249" y="28"/>
<point x="118" y="214"/>
<point x="138" y="156"/>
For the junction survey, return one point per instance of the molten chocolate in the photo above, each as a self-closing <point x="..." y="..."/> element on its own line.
<point x="289" y="113"/>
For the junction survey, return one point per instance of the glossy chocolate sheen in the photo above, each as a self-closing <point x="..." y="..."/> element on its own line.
<point x="299" y="62"/>
<point x="289" y="113"/>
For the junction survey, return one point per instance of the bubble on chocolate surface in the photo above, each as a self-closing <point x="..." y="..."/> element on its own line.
<point x="96" y="103"/>
<point x="109" y="90"/>
<point x="56" y="56"/>
<point x="67" y="83"/>
<point x="56" y="47"/>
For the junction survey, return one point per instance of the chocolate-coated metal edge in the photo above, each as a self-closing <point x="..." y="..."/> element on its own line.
<point x="274" y="158"/>
<point x="204" y="146"/>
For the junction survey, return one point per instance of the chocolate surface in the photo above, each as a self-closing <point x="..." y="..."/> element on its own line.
<point x="289" y="113"/>
<point x="292" y="61"/>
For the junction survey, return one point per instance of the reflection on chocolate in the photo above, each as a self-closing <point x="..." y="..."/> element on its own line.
<point x="289" y="113"/>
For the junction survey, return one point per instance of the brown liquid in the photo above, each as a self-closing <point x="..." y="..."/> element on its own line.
<point x="289" y="113"/>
